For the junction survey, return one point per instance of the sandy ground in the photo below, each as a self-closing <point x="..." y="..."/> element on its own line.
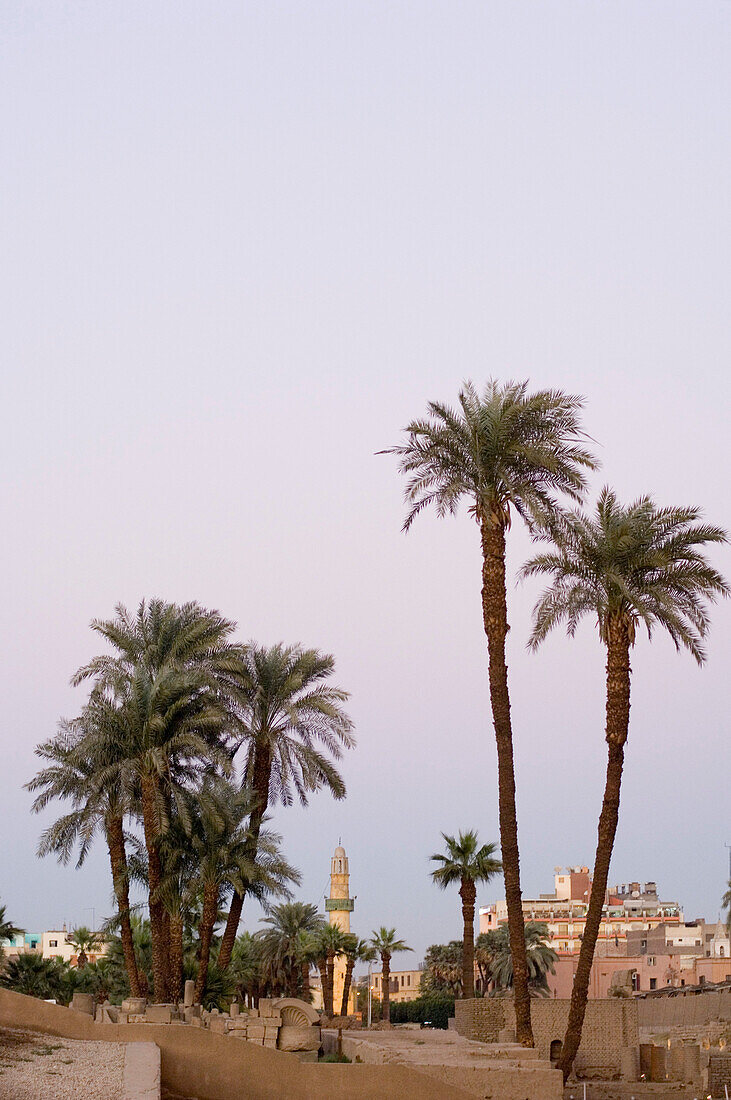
<point x="620" y="1090"/>
<point x="44" y="1067"/>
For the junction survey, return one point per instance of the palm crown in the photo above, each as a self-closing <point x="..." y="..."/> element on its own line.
<point x="501" y="448"/>
<point x="386" y="943"/>
<point x="637" y="563"/>
<point x="287" y="708"/>
<point x="465" y="860"/>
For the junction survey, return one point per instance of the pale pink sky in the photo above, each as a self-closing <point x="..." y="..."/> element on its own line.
<point x="243" y="245"/>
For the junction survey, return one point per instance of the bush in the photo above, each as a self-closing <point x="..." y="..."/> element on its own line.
<point x="437" y="1008"/>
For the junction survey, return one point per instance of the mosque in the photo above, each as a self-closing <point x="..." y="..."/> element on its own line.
<point x="338" y="906"/>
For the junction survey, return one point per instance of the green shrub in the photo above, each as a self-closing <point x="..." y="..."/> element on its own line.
<point x="436" y="1008"/>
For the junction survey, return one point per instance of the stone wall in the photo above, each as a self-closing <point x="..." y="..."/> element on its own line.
<point x="719" y="1074"/>
<point x="610" y="1029"/>
<point x="685" y="1009"/>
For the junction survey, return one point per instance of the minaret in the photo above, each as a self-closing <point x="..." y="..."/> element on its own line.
<point x="339" y="906"/>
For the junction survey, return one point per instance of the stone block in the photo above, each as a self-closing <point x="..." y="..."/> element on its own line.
<point x="195" y="1021"/>
<point x="191" y="1012"/>
<point x="256" y="1031"/>
<point x="270" y="1043"/>
<point x="136" y="1018"/>
<point x="189" y="993"/>
<point x="219" y="1024"/>
<point x="266" y="1006"/>
<point x="296" y="1013"/>
<point x="299" y="1038"/>
<point x="159" y="1014"/>
<point x="83" y="1002"/>
<point x="305" y="1055"/>
<point x="629" y="1064"/>
<point x="238" y="1023"/>
<point x="122" y="1017"/>
<point x="234" y="1010"/>
<point x="134" y="1004"/>
<point x="658" y="1064"/>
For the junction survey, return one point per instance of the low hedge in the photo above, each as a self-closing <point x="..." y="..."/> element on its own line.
<point x="436" y="1008"/>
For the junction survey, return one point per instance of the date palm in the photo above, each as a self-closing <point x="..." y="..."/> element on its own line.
<point x="386" y="943"/>
<point x="164" y="679"/>
<point x="292" y="726"/>
<point x="541" y="956"/>
<point x="219" y="840"/>
<point x="505" y="450"/>
<point x="284" y="946"/>
<point x="91" y="773"/>
<point x="331" y="942"/>
<point x="355" y="951"/>
<point x="467" y="864"/>
<point x="627" y="566"/>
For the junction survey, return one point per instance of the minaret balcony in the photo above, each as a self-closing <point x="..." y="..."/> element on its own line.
<point x="337" y="905"/>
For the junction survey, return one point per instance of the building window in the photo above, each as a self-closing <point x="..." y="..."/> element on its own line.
<point x="651" y="960"/>
<point x="653" y="983"/>
<point x="636" y="982"/>
<point x="53" y="943"/>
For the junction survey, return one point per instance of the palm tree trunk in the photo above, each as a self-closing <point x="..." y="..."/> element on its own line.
<point x="118" y="860"/>
<point x="154" y="875"/>
<point x="175" y="967"/>
<point x="329" y="1007"/>
<point x="305" y="969"/>
<point x="495" y="620"/>
<point x="468" y="893"/>
<point x="261" y="775"/>
<point x="205" y="935"/>
<point x="349" y="966"/>
<point x="617" y="728"/>
<point x="386" y="988"/>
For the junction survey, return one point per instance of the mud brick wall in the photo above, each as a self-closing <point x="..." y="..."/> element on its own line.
<point x="719" y="1074"/>
<point x="610" y="1027"/>
<point x="685" y="1009"/>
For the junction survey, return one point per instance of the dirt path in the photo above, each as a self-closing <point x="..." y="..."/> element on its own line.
<point x="37" y="1067"/>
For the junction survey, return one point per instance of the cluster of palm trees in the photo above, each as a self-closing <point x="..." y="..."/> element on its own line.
<point x="186" y="740"/>
<point x="510" y="452"/>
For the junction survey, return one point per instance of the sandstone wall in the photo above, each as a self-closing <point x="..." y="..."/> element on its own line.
<point x="200" y="1063"/>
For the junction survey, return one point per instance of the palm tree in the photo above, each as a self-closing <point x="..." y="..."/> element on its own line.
<point x="83" y="939"/>
<point x="541" y="956"/>
<point x="92" y="773"/>
<point x="34" y="976"/>
<point x="355" y="951"/>
<point x="505" y="450"/>
<point x="331" y="942"/>
<point x="466" y="864"/>
<point x="219" y="840"/>
<point x="292" y="726"/>
<point x="8" y="930"/>
<point x="246" y="967"/>
<point x="165" y="682"/>
<point x="284" y="946"/>
<point x="385" y="943"/>
<point x="443" y="968"/>
<point x="627" y="566"/>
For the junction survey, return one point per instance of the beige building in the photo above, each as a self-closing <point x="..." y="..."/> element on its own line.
<point x="405" y="985"/>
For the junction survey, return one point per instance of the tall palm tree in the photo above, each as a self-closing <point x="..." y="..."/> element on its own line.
<point x="8" y="930"/>
<point x="355" y="951"/>
<point x="726" y="902"/>
<point x="164" y="679"/>
<point x="91" y="773"/>
<point x="467" y="864"/>
<point x="331" y="942"/>
<point x="627" y="566"/>
<point x="504" y="450"/>
<point x="219" y="839"/>
<point x="292" y="726"/>
<point x="284" y="946"/>
<point x="541" y="956"/>
<point x="385" y="943"/>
